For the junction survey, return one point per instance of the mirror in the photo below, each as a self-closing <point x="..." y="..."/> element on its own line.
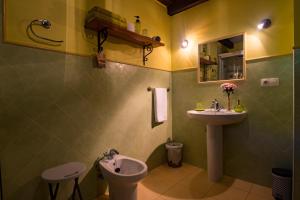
<point x="222" y="59"/>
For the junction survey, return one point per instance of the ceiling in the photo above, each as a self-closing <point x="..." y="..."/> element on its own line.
<point x="177" y="6"/>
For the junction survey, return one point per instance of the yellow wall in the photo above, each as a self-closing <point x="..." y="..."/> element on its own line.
<point x="219" y="18"/>
<point x="67" y="17"/>
<point x="297" y="22"/>
<point x="213" y="19"/>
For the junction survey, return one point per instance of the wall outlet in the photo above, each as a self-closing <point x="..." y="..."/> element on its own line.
<point x="269" y="82"/>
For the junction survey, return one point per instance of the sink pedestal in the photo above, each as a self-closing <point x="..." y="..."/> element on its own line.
<point x="214" y="121"/>
<point x="214" y="152"/>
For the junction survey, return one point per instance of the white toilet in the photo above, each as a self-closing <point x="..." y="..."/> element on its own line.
<point x="122" y="173"/>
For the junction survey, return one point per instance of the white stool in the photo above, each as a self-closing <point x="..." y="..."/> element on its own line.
<point x="61" y="173"/>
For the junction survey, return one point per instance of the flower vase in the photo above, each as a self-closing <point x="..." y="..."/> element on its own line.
<point x="228" y="103"/>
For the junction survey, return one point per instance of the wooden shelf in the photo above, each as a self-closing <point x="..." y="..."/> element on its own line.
<point x="207" y="62"/>
<point x="97" y="24"/>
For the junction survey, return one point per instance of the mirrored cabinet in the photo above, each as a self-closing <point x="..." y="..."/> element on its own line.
<point x="222" y="59"/>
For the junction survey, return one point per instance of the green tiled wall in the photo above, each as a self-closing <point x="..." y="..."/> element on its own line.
<point x="251" y="148"/>
<point x="57" y="108"/>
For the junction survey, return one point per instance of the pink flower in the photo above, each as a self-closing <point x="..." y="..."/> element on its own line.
<point x="228" y="88"/>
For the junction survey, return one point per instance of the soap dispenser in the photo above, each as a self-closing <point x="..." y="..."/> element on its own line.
<point x="239" y="108"/>
<point x="137" y="24"/>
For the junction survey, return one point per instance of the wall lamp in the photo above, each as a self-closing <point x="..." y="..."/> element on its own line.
<point x="184" y="44"/>
<point x="264" y="24"/>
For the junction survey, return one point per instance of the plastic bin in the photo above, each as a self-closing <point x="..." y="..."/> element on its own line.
<point x="282" y="184"/>
<point x="174" y="152"/>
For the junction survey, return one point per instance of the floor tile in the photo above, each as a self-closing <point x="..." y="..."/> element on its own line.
<point x="180" y="192"/>
<point x="242" y="185"/>
<point x="222" y="192"/>
<point x="145" y="193"/>
<point x="162" y="178"/>
<point x="262" y="191"/>
<point x="236" y="183"/>
<point x="178" y="198"/>
<point x="102" y="197"/>
<point x="194" y="186"/>
<point x="257" y="197"/>
<point x="158" y="184"/>
<point x="174" y="174"/>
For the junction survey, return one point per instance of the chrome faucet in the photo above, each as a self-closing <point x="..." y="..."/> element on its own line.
<point x="216" y="105"/>
<point x="109" y="155"/>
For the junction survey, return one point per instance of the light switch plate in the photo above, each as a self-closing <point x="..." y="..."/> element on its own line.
<point x="269" y="82"/>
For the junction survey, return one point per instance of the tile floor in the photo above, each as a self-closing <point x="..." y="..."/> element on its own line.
<point x="191" y="183"/>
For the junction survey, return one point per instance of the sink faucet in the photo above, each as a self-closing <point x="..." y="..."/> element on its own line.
<point x="216" y="105"/>
<point x="110" y="154"/>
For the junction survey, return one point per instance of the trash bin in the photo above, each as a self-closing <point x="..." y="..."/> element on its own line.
<point x="282" y="184"/>
<point x="174" y="152"/>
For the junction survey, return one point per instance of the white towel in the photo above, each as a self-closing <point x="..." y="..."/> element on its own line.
<point x="160" y="104"/>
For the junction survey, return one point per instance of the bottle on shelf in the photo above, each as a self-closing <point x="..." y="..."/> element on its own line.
<point x="137" y="24"/>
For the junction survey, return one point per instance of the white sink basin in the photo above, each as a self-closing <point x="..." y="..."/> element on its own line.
<point x="222" y="117"/>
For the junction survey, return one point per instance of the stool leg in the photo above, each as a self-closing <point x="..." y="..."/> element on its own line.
<point x="74" y="190"/>
<point x="53" y="195"/>
<point x="78" y="191"/>
<point x="76" y="187"/>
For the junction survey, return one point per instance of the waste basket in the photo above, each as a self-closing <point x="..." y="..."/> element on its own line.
<point x="174" y="152"/>
<point x="282" y="184"/>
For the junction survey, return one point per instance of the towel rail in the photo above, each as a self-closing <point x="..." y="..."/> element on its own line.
<point x="149" y="89"/>
<point x="45" y="23"/>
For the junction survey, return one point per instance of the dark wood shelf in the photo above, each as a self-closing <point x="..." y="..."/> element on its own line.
<point x="207" y="62"/>
<point x="97" y="24"/>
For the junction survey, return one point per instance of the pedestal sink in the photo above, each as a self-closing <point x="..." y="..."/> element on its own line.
<point x="214" y="121"/>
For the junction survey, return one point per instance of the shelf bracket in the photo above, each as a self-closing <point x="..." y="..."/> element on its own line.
<point x="102" y="36"/>
<point x="149" y="49"/>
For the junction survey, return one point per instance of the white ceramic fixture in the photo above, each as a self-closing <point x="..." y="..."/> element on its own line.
<point x="123" y="173"/>
<point x="214" y="121"/>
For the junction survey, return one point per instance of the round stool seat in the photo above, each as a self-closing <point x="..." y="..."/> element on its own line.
<point x="61" y="173"/>
<point x="64" y="172"/>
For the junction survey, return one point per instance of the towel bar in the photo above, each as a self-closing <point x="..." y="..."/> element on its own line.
<point x="150" y="89"/>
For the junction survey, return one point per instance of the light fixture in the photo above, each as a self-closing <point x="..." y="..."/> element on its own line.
<point x="266" y="23"/>
<point x="184" y="44"/>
